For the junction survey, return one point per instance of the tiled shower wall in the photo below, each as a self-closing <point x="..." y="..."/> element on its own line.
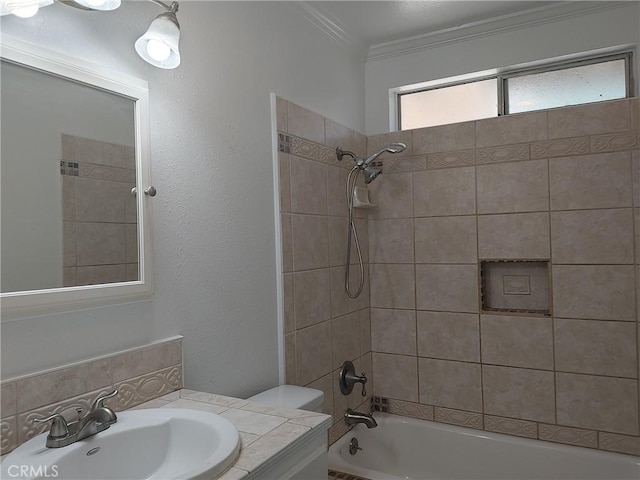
<point x="323" y="326"/>
<point x="100" y="231"/>
<point x="561" y="185"/>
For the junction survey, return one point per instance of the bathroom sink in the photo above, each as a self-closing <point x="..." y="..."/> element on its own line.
<point x="161" y="443"/>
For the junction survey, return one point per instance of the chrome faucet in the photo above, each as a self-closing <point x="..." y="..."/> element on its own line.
<point x="98" y="418"/>
<point x="352" y="417"/>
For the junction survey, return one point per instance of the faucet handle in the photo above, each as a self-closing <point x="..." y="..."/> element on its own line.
<point x="59" y="427"/>
<point x="99" y="402"/>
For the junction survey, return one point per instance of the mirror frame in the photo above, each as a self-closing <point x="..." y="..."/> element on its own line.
<point x="15" y="305"/>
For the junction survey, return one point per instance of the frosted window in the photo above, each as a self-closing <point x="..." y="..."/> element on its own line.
<point x="570" y="86"/>
<point x="458" y="103"/>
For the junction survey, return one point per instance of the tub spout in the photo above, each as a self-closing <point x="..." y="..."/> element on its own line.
<point x="352" y="417"/>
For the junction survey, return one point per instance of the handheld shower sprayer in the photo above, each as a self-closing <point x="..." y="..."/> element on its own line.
<point x="370" y="172"/>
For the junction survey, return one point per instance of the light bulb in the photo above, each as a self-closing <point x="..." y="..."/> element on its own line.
<point x="158" y="50"/>
<point x="26" y="12"/>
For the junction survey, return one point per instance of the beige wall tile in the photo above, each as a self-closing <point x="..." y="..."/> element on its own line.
<point x="517" y="341"/>
<point x="449" y="288"/>
<point x="312" y="296"/>
<point x="392" y="286"/>
<point x="289" y="315"/>
<point x="395" y="376"/>
<point x="591" y="181"/>
<point x="281" y="114"/>
<point x="131" y="242"/>
<point x="458" y="417"/>
<point x="444" y="138"/>
<point x="305" y="123"/>
<point x="527" y="127"/>
<point x="326" y="385"/>
<point x="519" y="393"/>
<point x="599" y="403"/>
<point x="511" y="426"/>
<point x="338" y="235"/>
<point x="69" y="276"/>
<point x="69" y="198"/>
<point x="69" y="243"/>
<point x="100" y="200"/>
<point x="513" y="187"/>
<point x="603" y="117"/>
<point x="635" y="113"/>
<point x="393" y="195"/>
<point x="376" y="142"/>
<point x="393" y="331"/>
<point x="8" y="399"/>
<point x="341" y="304"/>
<point x="391" y="241"/>
<point x="313" y="353"/>
<point x="308" y="186"/>
<point x="511" y="236"/>
<point x="284" y="171"/>
<point x="145" y="360"/>
<point x="398" y="164"/>
<point x="446" y="240"/>
<point x="287" y="243"/>
<point x="499" y="154"/>
<point x="290" y="358"/>
<point x="101" y="274"/>
<point x="310" y="242"/>
<point x="601" y="292"/>
<point x="345" y="334"/>
<point x="596" y="347"/>
<point x="337" y="135"/>
<point x="450" y="336"/>
<point x="450" y="384"/>
<point x="100" y="244"/>
<point x="570" y="436"/>
<point x="444" y="192"/>
<point x="635" y="159"/>
<point x="592" y="236"/>
<point x="336" y="197"/>
<point x="365" y="330"/>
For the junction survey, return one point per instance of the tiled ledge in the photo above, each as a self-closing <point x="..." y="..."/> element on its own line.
<point x="140" y="374"/>
<point x="265" y="432"/>
<point x="612" y="442"/>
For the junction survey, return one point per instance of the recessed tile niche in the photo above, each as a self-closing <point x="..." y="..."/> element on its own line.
<point x="515" y="286"/>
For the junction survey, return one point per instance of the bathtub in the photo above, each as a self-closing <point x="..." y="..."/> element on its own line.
<point x="406" y="448"/>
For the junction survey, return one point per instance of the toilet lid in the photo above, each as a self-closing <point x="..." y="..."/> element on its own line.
<point x="290" y="396"/>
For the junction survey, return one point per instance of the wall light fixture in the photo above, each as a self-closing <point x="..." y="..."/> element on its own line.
<point x="158" y="46"/>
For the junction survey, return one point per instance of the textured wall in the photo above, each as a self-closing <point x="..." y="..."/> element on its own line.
<point x="558" y="185"/>
<point x="213" y="218"/>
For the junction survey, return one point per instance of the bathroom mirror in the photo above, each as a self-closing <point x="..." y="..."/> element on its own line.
<point x="74" y="155"/>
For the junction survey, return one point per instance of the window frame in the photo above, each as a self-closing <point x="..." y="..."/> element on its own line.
<point x="504" y="75"/>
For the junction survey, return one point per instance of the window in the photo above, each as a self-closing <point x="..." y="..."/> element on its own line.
<point x="515" y="91"/>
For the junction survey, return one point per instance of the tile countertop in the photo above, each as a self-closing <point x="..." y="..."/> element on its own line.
<point x="264" y="431"/>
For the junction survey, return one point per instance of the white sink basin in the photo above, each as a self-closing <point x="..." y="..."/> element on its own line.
<point x="161" y="443"/>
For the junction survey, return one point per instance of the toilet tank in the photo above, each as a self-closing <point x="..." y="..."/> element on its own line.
<point x="291" y="396"/>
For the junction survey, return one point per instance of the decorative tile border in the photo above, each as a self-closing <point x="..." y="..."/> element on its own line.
<point x="409" y="409"/>
<point x="405" y="164"/>
<point x="568" y="435"/>
<point x="140" y="375"/>
<point x="343" y="476"/>
<point x="463" y="158"/>
<point x="458" y="417"/>
<point x="507" y="153"/>
<point x="104" y="172"/>
<point x="560" y="148"/>
<point x="615" y="142"/>
<point x="511" y="426"/>
<point x="619" y="443"/>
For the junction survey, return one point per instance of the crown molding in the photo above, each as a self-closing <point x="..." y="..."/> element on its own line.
<point x="489" y="27"/>
<point x="331" y="26"/>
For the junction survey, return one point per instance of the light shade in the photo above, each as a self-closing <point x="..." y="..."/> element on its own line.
<point x="96" y="4"/>
<point x="159" y="45"/>
<point x="22" y="8"/>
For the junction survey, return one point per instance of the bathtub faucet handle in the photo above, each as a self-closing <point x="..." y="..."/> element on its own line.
<point x="364" y="388"/>
<point x="348" y="378"/>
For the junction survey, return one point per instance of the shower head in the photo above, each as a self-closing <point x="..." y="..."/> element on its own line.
<point x="371" y="173"/>
<point x="392" y="148"/>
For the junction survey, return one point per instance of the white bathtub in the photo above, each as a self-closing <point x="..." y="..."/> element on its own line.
<point x="405" y="448"/>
